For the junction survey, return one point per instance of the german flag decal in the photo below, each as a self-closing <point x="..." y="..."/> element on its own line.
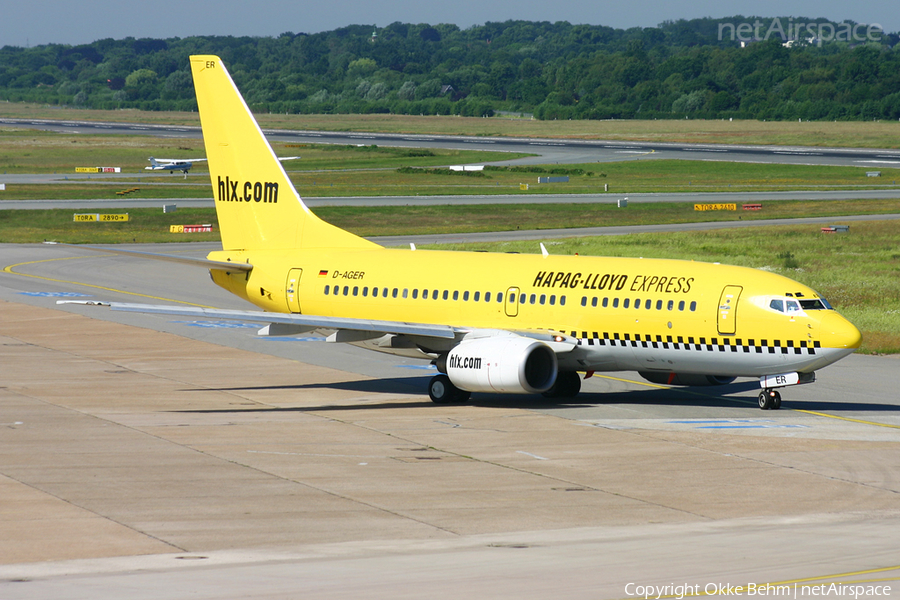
<point x="323" y="273"/>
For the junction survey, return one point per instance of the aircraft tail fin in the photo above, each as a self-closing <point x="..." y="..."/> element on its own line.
<point x="257" y="205"/>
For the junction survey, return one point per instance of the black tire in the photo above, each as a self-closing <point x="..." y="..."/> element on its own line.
<point x="442" y="391"/>
<point x="765" y="400"/>
<point x="776" y="404"/>
<point x="567" y="385"/>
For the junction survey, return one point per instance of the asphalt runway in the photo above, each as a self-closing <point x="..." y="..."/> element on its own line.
<point x="143" y="456"/>
<point x="546" y="150"/>
<point x="314" y="202"/>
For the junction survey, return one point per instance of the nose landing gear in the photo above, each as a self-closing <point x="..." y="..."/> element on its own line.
<point x="769" y="400"/>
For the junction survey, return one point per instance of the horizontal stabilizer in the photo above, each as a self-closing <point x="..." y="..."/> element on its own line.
<point x="185" y="260"/>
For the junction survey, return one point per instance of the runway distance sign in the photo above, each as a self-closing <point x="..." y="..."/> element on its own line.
<point x="715" y="207"/>
<point x="96" y="217"/>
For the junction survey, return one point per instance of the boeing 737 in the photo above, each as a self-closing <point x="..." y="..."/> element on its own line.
<point x="499" y="323"/>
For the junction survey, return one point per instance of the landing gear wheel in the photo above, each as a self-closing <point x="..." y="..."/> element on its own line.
<point x="767" y="399"/>
<point x="567" y="385"/>
<point x="776" y="401"/>
<point x="442" y="391"/>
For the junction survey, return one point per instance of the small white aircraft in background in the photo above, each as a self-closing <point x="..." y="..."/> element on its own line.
<point x="175" y="164"/>
<point x="172" y="164"/>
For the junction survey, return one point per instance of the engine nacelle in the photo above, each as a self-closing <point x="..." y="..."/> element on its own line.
<point x="507" y="364"/>
<point x="684" y="378"/>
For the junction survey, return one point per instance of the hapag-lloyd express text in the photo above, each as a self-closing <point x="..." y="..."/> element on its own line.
<point x="609" y="281"/>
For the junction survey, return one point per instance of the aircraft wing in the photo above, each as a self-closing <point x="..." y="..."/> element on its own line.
<point x="299" y="321"/>
<point x="179" y="161"/>
<point x="358" y="329"/>
<point x="174" y="163"/>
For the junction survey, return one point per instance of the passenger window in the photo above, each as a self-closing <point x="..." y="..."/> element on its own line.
<point x="605" y="302"/>
<point x="394" y="293"/>
<point x="477" y="296"/>
<point x="455" y="295"/>
<point x="424" y="294"/>
<point x="543" y="298"/>
<point x="355" y="290"/>
<point x="532" y="298"/>
<point x="365" y="291"/>
<point x="594" y="302"/>
<point x="522" y="299"/>
<point x="659" y="305"/>
<point x="446" y="294"/>
<point x="500" y="297"/>
<point x="374" y="292"/>
<point x="415" y="294"/>
<point x="671" y="304"/>
<point x="552" y="299"/>
<point x="777" y="305"/>
<point x="681" y="305"/>
<point x="562" y="300"/>
<point x="384" y="292"/>
<point x="693" y="306"/>
<point x="615" y="302"/>
<point x="465" y="296"/>
<point x="648" y="304"/>
<point x="405" y="292"/>
<point x="625" y="303"/>
<point x="346" y="290"/>
<point x="326" y="289"/>
<point x="487" y="296"/>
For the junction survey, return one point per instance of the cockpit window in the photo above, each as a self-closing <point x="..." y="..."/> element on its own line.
<point x="792" y="306"/>
<point x="776" y="304"/>
<point x="815" y="304"/>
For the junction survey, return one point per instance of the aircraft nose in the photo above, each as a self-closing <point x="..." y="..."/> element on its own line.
<point x="838" y="332"/>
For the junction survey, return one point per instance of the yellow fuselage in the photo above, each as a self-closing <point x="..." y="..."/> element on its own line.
<point x="642" y="314"/>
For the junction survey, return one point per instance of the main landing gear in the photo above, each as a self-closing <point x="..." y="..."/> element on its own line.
<point x="567" y="385"/>
<point x="769" y="399"/>
<point x="442" y="391"/>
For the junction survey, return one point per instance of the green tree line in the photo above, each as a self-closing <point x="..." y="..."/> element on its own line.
<point x="681" y="69"/>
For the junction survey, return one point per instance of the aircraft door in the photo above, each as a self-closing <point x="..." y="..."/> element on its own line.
<point x="726" y="319"/>
<point x="292" y="290"/>
<point x="511" y="302"/>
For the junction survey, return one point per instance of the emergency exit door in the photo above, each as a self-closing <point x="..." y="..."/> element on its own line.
<point x="292" y="290"/>
<point x="511" y="302"/>
<point x="727" y="311"/>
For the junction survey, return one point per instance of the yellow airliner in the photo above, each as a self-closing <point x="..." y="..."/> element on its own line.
<point x="508" y="323"/>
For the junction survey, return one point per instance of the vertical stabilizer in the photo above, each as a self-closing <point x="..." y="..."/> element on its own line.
<point x="257" y="205"/>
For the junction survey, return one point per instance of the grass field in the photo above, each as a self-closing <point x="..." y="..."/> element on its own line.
<point x="32" y="151"/>
<point x="855" y="134"/>
<point x="151" y="225"/>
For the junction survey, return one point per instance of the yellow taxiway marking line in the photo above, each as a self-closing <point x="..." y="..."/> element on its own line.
<point x="864" y="422"/>
<point x="739" y="401"/>
<point x="9" y="269"/>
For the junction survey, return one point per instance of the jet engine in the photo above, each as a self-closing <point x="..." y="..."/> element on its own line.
<point x="507" y="364"/>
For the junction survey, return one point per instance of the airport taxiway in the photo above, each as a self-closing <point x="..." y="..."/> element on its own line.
<point x="145" y="456"/>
